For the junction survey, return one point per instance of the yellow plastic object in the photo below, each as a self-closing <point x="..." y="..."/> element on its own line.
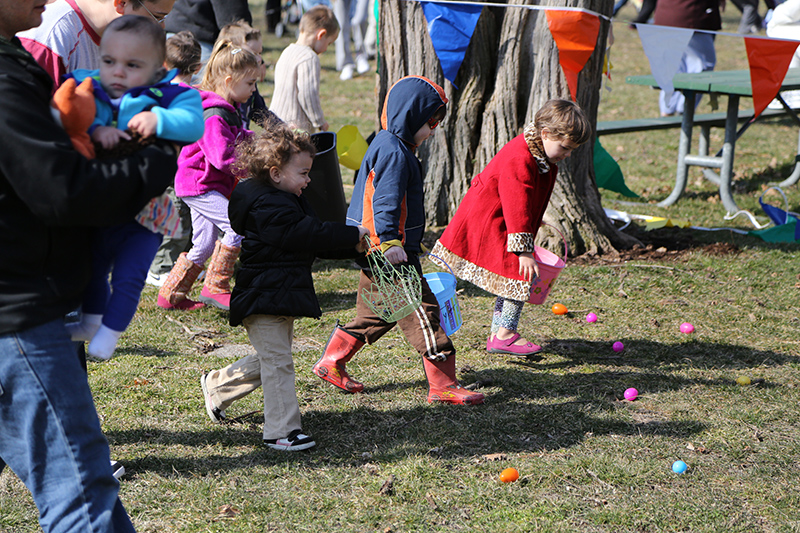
<point x="351" y="147"/>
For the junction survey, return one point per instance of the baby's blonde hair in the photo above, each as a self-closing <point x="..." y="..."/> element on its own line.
<point x="274" y="146"/>
<point x="228" y="59"/>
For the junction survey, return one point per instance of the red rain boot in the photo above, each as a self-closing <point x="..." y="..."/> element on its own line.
<point x="217" y="287"/>
<point x="342" y="346"/>
<point x="443" y="385"/>
<point x="174" y="294"/>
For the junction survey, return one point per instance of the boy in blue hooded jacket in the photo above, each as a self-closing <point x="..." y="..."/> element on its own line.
<point x="388" y="200"/>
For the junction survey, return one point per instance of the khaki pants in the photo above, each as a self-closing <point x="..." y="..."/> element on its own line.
<point x="421" y="328"/>
<point x="272" y="369"/>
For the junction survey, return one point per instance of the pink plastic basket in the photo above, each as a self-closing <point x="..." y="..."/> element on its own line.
<point x="550" y="266"/>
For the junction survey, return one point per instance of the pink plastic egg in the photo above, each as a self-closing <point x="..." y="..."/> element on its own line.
<point x="687" y="328"/>
<point x="591" y="317"/>
<point x="631" y="394"/>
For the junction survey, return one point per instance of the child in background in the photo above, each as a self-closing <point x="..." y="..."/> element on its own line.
<point x="282" y="236"/>
<point x="243" y="34"/>
<point x="183" y="54"/>
<point x="388" y="200"/>
<point x="490" y="241"/>
<point x="205" y="180"/>
<point x="297" y="73"/>
<point x="134" y="91"/>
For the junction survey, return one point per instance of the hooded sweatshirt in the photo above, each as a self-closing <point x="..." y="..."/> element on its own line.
<point x="207" y="165"/>
<point x="388" y="196"/>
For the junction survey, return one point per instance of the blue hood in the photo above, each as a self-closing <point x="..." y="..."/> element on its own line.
<point x="409" y="104"/>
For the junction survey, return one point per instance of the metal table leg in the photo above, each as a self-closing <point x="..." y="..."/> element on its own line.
<point x="728" y="148"/>
<point x="684" y="148"/>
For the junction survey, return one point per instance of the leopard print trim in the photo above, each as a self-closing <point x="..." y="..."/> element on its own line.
<point x="520" y="242"/>
<point x="534" y="141"/>
<point x="489" y="281"/>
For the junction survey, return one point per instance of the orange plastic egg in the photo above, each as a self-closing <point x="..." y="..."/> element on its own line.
<point x="559" y="309"/>
<point x="508" y="475"/>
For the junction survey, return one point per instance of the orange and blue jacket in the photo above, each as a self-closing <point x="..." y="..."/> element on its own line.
<point x="388" y="195"/>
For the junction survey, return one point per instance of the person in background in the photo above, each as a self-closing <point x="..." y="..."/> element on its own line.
<point x="296" y="98"/>
<point x="243" y="34"/>
<point x="69" y="36"/>
<point x="205" y="18"/>
<point x="50" y="434"/>
<point x="700" y="55"/>
<point x="352" y="16"/>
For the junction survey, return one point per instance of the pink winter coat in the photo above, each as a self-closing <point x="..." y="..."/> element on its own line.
<point x="206" y="165"/>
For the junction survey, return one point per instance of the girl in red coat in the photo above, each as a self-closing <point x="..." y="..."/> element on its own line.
<point x="490" y="240"/>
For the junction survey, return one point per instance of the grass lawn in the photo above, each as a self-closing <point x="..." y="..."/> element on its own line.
<point x="387" y="461"/>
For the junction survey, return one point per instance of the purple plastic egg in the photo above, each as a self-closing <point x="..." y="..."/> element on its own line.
<point x="618" y="346"/>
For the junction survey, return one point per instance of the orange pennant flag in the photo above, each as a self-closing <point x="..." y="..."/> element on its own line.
<point x="575" y="34"/>
<point x="769" y="60"/>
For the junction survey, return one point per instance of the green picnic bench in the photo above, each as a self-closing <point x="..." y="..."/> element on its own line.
<point x="705" y="121"/>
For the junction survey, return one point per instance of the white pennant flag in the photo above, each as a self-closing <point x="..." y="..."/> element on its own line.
<point x="664" y="47"/>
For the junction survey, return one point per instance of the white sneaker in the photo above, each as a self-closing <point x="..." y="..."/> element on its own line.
<point x="118" y="469"/>
<point x="362" y="64"/>
<point x="214" y="413"/>
<point x="296" y="441"/>
<point x="347" y="72"/>
<point x="156" y="280"/>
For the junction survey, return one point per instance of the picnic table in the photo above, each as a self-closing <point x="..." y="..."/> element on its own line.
<point x="731" y="83"/>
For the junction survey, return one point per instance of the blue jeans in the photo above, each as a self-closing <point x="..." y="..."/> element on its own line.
<point x="50" y="434"/>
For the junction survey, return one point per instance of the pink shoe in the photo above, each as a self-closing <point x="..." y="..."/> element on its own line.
<point x="507" y="346"/>
<point x="222" y="301"/>
<point x="183" y="305"/>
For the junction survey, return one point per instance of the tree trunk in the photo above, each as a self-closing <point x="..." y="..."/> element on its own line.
<point x="510" y="69"/>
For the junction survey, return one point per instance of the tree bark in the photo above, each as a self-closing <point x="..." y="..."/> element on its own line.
<point x="510" y="69"/>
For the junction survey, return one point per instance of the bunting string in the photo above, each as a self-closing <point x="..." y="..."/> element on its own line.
<point x="451" y="25"/>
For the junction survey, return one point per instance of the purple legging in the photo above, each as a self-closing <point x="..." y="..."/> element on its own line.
<point x="209" y="217"/>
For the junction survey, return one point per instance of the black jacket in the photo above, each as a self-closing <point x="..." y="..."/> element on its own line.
<point x="50" y="195"/>
<point x="282" y="236"/>
<point x="204" y="18"/>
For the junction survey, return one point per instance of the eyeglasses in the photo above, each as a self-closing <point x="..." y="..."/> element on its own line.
<point x="158" y="20"/>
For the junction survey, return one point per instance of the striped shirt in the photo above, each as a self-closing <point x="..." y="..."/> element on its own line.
<point x="64" y="41"/>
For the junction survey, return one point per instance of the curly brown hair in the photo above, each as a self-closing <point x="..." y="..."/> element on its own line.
<point x="274" y="146"/>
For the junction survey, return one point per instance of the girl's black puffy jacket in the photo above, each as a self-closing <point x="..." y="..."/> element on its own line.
<point x="282" y="237"/>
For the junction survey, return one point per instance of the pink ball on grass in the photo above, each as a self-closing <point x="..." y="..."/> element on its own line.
<point x="687" y="328"/>
<point x="631" y="394"/>
<point x="618" y="346"/>
<point x="591" y="317"/>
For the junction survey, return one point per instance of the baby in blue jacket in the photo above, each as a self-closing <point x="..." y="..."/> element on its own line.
<point x="132" y="92"/>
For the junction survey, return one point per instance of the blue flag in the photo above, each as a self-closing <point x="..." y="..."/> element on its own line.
<point x="451" y="28"/>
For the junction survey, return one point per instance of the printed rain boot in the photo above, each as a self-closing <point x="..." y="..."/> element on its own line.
<point x="174" y="294"/>
<point x="443" y="385"/>
<point x="217" y="287"/>
<point x="342" y="346"/>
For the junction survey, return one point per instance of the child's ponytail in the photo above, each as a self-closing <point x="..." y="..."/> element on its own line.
<point x="227" y="59"/>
